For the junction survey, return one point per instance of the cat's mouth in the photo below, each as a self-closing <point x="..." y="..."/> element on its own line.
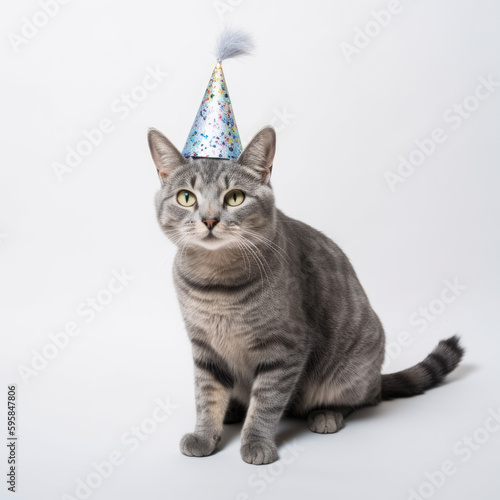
<point x="211" y="241"/>
<point x="210" y="238"/>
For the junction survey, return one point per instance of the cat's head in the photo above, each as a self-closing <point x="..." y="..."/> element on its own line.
<point x="213" y="203"/>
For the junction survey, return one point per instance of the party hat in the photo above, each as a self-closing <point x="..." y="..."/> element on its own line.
<point x="214" y="133"/>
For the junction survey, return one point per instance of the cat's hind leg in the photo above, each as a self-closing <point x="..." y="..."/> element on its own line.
<point x="326" y="420"/>
<point x="327" y="405"/>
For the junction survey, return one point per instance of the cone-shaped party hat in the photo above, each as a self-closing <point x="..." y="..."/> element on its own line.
<point x="214" y="133"/>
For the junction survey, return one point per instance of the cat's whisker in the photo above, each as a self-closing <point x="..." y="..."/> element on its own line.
<point x="156" y="263"/>
<point x="255" y="258"/>
<point x="244" y="255"/>
<point x="285" y="238"/>
<point x="279" y="252"/>
<point x="261" y="261"/>
<point x="260" y="252"/>
<point x="262" y="238"/>
<point x="184" y="244"/>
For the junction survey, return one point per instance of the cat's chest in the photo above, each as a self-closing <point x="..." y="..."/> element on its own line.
<point x="231" y="338"/>
<point x="218" y="307"/>
<point x="212" y="309"/>
<point x="227" y="333"/>
<point x="221" y="320"/>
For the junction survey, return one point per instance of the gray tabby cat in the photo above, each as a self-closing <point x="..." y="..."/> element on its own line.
<point x="278" y="320"/>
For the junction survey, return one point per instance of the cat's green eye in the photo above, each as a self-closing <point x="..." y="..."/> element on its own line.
<point x="234" y="198"/>
<point x="186" y="198"/>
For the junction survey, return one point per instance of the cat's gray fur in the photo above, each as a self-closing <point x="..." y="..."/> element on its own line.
<point x="278" y="320"/>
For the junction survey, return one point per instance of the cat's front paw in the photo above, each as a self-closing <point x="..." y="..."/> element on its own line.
<point x="259" y="452"/>
<point x="199" y="445"/>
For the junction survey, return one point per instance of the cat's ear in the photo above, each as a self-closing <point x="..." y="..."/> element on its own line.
<point x="259" y="154"/>
<point x="165" y="155"/>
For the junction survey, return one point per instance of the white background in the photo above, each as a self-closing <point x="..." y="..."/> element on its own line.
<point x="61" y="241"/>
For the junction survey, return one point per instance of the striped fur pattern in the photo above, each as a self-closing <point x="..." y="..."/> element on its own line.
<point x="278" y="321"/>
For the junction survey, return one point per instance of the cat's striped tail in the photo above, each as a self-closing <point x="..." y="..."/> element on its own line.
<point x="426" y="374"/>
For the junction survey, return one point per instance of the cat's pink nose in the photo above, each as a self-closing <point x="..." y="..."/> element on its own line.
<point x="210" y="223"/>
